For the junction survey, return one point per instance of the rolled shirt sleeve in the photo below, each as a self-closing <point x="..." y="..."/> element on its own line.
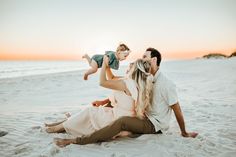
<point x="170" y="93"/>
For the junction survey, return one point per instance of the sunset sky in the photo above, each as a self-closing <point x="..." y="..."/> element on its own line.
<point x="66" y="29"/>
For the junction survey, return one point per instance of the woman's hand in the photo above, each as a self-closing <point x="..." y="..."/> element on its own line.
<point x="103" y="78"/>
<point x="97" y="103"/>
<point x="100" y="103"/>
<point x="106" y="60"/>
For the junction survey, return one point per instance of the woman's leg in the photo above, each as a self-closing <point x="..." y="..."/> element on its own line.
<point x="67" y="114"/>
<point x="56" y="129"/>
<point x="93" y="69"/>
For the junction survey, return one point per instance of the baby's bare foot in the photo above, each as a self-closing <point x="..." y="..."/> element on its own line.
<point x="85" y="76"/>
<point x="85" y="56"/>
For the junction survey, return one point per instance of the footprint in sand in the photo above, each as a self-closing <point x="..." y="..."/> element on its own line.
<point x="36" y="127"/>
<point x="22" y="149"/>
<point x="3" y="133"/>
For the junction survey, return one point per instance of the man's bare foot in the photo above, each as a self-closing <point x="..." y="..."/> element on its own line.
<point x="63" y="142"/>
<point x="190" y="134"/>
<point x="85" y="76"/>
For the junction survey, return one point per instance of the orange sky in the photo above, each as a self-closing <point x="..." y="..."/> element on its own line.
<point x="31" y="56"/>
<point x="77" y="56"/>
<point x="64" y="30"/>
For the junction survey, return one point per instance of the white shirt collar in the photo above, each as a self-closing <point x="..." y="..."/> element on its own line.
<point x="156" y="76"/>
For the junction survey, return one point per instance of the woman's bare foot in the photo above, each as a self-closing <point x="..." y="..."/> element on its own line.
<point x="55" y="129"/>
<point x="68" y="115"/>
<point x="51" y="129"/>
<point x="54" y="124"/>
<point x="63" y="142"/>
<point x="50" y="124"/>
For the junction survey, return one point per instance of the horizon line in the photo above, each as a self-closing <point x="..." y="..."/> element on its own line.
<point x="78" y="56"/>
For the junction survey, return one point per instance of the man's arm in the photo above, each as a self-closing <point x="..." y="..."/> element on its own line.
<point x="180" y="119"/>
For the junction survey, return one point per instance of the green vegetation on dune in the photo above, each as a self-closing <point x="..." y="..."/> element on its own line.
<point x="218" y="55"/>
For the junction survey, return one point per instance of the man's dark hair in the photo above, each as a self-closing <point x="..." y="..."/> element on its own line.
<point x="155" y="53"/>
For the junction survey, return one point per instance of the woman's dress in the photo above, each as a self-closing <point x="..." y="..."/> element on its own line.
<point x="92" y="118"/>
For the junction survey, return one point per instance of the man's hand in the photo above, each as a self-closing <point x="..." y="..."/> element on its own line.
<point x="180" y="119"/>
<point x="190" y="134"/>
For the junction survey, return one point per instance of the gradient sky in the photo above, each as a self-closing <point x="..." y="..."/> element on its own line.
<point x="65" y="29"/>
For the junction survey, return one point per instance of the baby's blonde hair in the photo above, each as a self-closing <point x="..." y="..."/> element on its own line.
<point x="123" y="47"/>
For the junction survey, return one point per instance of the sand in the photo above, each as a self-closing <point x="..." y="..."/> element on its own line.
<point x="206" y="90"/>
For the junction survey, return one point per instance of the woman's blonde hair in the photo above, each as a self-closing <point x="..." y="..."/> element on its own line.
<point x="140" y="73"/>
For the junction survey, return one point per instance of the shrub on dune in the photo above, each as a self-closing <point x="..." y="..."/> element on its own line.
<point x="233" y="54"/>
<point x="214" y="55"/>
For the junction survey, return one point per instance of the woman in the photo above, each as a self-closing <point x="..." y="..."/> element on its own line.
<point x="131" y="97"/>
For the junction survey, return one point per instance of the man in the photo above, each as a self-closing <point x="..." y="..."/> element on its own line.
<point x="164" y="101"/>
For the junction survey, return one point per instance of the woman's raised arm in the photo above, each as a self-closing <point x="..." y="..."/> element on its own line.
<point x="111" y="84"/>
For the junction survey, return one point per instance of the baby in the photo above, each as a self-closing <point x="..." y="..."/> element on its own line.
<point x="95" y="62"/>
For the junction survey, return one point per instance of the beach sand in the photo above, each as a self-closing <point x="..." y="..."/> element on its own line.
<point x="207" y="95"/>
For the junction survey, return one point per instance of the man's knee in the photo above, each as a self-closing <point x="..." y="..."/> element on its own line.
<point x="122" y="122"/>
